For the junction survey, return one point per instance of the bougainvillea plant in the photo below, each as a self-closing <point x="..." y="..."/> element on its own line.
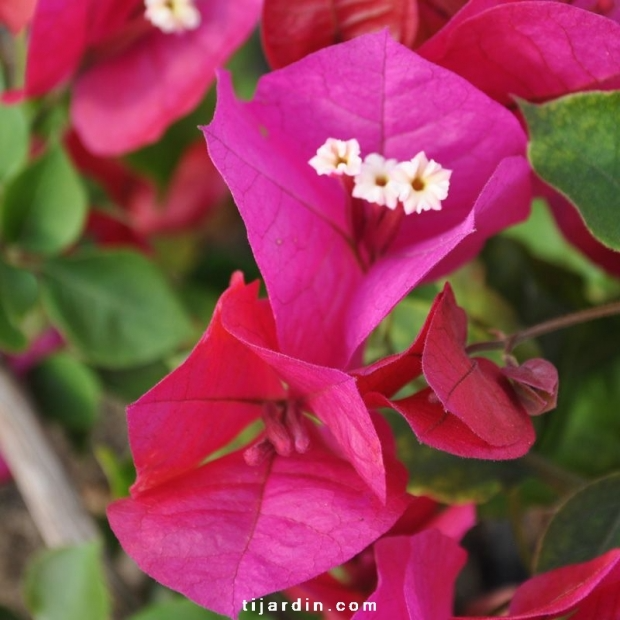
<point x="407" y="406"/>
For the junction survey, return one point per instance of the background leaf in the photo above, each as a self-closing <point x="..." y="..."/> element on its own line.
<point x="18" y="293"/>
<point x="13" y="140"/>
<point x="67" y="584"/>
<point x="45" y="206"/>
<point x="586" y="526"/>
<point x="575" y="146"/>
<point x="66" y="391"/>
<point x="115" y="307"/>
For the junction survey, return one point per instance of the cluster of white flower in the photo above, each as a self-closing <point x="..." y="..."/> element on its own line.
<point x="419" y="184"/>
<point x="172" y="15"/>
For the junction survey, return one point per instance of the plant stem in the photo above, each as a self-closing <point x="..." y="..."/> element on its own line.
<point x="508" y="343"/>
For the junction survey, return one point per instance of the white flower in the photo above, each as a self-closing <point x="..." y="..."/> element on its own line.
<point x="172" y="15"/>
<point x="422" y="184"/>
<point x="375" y="182"/>
<point x="337" y="157"/>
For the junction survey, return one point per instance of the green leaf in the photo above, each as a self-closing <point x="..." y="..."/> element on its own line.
<point x="45" y="206"/>
<point x="18" y="293"/>
<point x="586" y="526"/>
<point x="129" y="384"/>
<point x="13" y="140"/>
<point x="575" y="146"/>
<point x="66" y="391"/>
<point x="67" y="584"/>
<point x="120" y="474"/>
<point x="115" y="307"/>
<point x="588" y="439"/>
<point x="449" y="478"/>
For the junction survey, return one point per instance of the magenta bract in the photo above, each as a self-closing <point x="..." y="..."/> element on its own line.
<point x="131" y="79"/>
<point x="223" y="530"/>
<point x="532" y="49"/>
<point x="470" y="408"/>
<point x="326" y="263"/>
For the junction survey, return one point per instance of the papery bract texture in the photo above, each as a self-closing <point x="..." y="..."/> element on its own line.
<point x="227" y="532"/>
<point x="531" y="49"/>
<point x="326" y="262"/>
<point x="222" y="531"/>
<point x="131" y="79"/>
<point x="469" y="409"/>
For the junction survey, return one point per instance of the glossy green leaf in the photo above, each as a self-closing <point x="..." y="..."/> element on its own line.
<point x="66" y="391"/>
<point x="575" y="146"/>
<point x="67" y="584"/>
<point x="588" y="438"/>
<point x="13" y="140"/>
<point x="18" y="293"/>
<point x="115" y="307"/>
<point x="586" y="526"/>
<point x="45" y="206"/>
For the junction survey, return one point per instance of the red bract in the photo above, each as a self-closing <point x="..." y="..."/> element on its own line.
<point x="417" y="575"/>
<point x="131" y="79"/>
<point x="337" y="264"/>
<point x="470" y="407"/>
<point x="292" y="31"/>
<point x="16" y="14"/>
<point x="298" y="501"/>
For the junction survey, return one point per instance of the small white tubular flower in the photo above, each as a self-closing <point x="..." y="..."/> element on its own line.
<point x="422" y="184"/>
<point x="172" y="15"/>
<point x="337" y="157"/>
<point x="375" y="181"/>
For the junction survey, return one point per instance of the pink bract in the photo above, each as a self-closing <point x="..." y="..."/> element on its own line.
<point x="222" y="530"/>
<point x="303" y="228"/>
<point x="131" y="81"/>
